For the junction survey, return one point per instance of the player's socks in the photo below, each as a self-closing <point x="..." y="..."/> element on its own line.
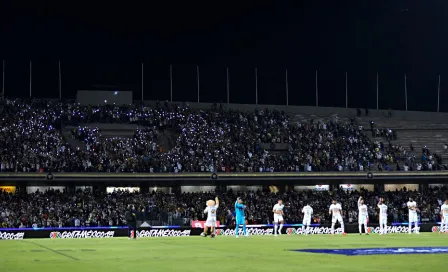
<point x="410" y="227"/>
<point x="307" y="229"/>
<point x="244" y="230"/>
<point x="303" y="228"/>
<point x="280" y="229"/>
<point x="237" y="228"/>
<point x="342" y="227"/>
<point x="332" y="228"/>
<point x="275" y="229"/>
<point x="360" y="228"/>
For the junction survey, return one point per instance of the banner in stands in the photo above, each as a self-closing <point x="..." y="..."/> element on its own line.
<point x="200" y="224"/>
<point x="110" y="190"/>
<point x="349" y="187"/>
<point x="319" y="187"/>
<point x="176" y="231"/>
<point x="395" y="187"/>
<point x="8" y="189"/>
<point x="436" y="185"/>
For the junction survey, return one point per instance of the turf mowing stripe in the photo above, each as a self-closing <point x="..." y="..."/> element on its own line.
<point x="52" y="250"/>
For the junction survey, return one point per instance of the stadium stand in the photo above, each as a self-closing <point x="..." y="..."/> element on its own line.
<point x="66" y="137"/>
<point x="57" y="136"/>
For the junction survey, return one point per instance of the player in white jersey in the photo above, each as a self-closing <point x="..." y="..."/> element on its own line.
<point x="383" y="216"/>
<point x="210" y="210"/>
<point x="444" y="216"/>
<point x="412" y="207"/>
<point x="307" y="213"/>
<point x="336" y="215"/>
<point x="363" y="216"/>
<point x="278" y="217"/>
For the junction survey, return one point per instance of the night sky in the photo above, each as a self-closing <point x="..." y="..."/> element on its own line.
<point x="105" y="45"/>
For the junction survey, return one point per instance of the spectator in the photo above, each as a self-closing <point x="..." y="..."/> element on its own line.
<point x="55" y="209"/>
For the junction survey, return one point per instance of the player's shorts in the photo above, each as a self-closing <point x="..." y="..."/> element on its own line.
<point x="211" y="222"/>
<point x="240" y="221"/>
<point x="278" y="218"/>
<point x="413" y="217"/>
<point x="383" y="220"/>
<point x="363" y="220"/>
<point x="445" y="219"/>
<point x="336" y="217"/>
<point x="306" y="221"/>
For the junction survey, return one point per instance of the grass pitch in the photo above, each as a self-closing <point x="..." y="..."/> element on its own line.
<point x="255" y="253"/>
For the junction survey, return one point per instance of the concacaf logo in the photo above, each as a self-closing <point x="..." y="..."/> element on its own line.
<point x="370" y="230"/>
<point x="435" y="229"/>
<point x="218" y="231"/>
<point x="54" y="235"/>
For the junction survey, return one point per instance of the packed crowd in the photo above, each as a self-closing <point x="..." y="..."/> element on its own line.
<point x="215" y="140"/>
<point x="84" y="208"/>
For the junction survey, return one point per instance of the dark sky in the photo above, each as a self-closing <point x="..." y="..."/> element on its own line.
<point x="106" y="45"/>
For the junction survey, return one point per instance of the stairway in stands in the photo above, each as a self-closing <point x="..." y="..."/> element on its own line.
<point x="419" y="133"/>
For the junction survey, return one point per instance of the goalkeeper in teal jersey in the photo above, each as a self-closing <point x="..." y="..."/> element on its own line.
<point x="240" y="220"/>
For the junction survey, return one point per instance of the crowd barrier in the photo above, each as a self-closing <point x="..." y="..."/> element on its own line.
<point x="176" y="231"/>
<point x="193" y="178"/>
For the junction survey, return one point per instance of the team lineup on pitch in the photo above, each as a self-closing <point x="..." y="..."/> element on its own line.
<point x="335" y="211"/>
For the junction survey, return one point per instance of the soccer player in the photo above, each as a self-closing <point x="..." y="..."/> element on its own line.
<point x="336" y="215"/>
<point x="307" y="213"/>
<point x="412" y="206"/>
<point x="239" y="218"/>
<point x="210" y="210"/>
<point x="363" y="216"/>
<point x="444" y="216"/>
<point x="383" y="216"/>
<point x="278" y="216"/>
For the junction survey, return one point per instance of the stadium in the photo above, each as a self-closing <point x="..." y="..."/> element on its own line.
<point x="327" y="152"/>
<point x="70" y="210"/>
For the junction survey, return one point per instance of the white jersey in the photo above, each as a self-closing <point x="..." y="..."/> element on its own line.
<point x="307" y="211"/>
<point x="383" y="210"/>
<point x="444" y="210"/>
<point x="412" y="206"/>
<point x="362" y="210"/>
<point x="335" y="209"/>
<point x="211" y="211"/>
<point x="278" y="208"/>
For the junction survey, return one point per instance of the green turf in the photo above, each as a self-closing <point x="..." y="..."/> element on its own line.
<point x="255" y="253"/>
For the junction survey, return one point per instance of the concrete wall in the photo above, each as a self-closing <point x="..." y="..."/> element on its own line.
<point x="95" y="98"/>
